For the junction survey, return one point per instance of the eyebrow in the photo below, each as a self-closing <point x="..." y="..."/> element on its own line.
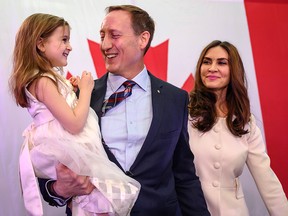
<point x="216" y="59"/>
<point x="110" y="31"/>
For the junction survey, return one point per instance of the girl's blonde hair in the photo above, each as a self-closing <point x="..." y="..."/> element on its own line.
<point x="28" y="61"/>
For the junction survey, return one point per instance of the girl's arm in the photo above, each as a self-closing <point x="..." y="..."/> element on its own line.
<point x="73" y="120"/>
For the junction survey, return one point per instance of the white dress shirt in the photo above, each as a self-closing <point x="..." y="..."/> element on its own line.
<point x="124" y="127"/>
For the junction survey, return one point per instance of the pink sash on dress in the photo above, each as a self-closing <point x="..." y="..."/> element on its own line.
<point x="29" y="184"/>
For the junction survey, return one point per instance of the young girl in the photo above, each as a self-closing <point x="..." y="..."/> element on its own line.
<point x="64" y="128"/>
<point x="224" y="136"/>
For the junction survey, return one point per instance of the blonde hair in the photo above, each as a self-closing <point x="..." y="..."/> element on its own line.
<point x="28" y="61"/>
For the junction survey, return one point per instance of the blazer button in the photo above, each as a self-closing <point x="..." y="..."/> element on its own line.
<point x="218" y="146"/>
<point x="217" y="165"/>
<point x="129" y="173"/>
<point x="215" y="184"/>
<point x="216" y="129"/>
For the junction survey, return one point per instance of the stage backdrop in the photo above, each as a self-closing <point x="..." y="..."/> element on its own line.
<point x="258" y="28"/>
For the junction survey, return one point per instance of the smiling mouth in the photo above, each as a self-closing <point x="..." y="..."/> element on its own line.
<point x="110" y="56"/>
<point x="212" y="77"/>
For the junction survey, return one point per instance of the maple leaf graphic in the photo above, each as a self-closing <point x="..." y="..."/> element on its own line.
<point x="156" y="61"/>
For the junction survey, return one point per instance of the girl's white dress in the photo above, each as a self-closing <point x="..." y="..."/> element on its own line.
<point x="48" y="144"/>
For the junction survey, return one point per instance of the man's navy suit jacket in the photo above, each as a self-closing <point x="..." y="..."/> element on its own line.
<point x="164" y="166"/>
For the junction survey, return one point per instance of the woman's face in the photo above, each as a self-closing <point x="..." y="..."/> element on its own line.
<point x="215" y="71"/>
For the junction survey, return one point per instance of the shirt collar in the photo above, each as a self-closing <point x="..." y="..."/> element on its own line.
<point x="115" y="81"/>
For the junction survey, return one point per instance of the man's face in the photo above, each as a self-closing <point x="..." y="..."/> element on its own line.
<point x="121" y="48"/>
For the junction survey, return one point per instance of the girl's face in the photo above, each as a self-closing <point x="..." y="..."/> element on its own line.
<point x="215" y="71"/>
<point x="57" y="46"/>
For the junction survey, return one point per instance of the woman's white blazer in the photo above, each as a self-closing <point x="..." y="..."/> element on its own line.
<point x="220" y="158"/>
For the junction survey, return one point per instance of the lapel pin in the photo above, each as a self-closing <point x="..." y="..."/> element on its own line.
<point x="158" y="91"/>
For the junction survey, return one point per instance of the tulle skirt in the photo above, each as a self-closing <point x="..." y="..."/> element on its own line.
<point x="84" y="154"/>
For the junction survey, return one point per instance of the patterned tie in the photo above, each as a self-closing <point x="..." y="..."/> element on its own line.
<point x="117" y="97"/>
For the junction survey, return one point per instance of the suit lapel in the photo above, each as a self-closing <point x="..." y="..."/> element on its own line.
<point x="158" y="103"/>
<point x="97" y="98"/>
<point x="157" y="107"/>
<point x="98" y="95"/>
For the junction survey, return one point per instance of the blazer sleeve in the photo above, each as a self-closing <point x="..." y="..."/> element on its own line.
<point x="188" y="186"/>
<point x="48" y="196"/>
<point x="266" y="180"/>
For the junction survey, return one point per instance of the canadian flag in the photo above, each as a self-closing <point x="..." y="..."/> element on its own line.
<point x="268" y="29"/>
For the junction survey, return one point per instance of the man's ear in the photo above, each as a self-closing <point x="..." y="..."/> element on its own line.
<point x="40" y="44"/>
<point x="144" y="39"/>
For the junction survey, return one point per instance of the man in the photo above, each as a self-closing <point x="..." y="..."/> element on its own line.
<point x="146" y="134"/>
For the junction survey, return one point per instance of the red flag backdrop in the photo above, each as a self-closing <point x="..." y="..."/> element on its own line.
<point x="268" y="28"/>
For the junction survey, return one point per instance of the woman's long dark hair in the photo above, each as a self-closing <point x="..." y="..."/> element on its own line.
<point x="202" y="109"/>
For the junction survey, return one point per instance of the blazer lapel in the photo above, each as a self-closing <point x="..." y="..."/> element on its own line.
<point x="157" y="107"/>
<point x="97" y="98"/>
<point x="98" y="95"/>
<point x="158" y="103"/>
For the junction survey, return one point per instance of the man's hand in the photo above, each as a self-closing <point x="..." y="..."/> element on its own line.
<point x="70" y="184"/>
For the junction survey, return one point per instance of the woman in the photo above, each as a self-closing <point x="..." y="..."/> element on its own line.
<point x="224" y="135"/>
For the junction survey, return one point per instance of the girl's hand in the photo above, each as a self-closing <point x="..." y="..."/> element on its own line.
<point x="86" y="82"/>
<point x="74" y="82"/>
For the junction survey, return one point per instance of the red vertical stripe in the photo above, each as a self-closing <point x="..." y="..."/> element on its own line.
<point x="268" y="27"/>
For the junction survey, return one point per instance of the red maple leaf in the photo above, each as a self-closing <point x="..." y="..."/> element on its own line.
<point x="156" y="61"/>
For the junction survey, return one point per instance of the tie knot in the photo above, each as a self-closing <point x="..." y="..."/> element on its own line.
<point x="128" y="83"/>
<point x="117" y="97"/>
